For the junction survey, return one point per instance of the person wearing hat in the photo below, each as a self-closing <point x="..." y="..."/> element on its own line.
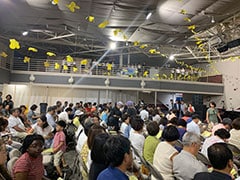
<point x="77" y="114"/>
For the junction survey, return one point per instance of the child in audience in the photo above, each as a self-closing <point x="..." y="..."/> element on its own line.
<point x="59" y="147"/>
<point x="125" y="127"/>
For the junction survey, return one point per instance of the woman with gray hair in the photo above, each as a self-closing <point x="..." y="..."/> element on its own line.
<point x="185" y="164"/>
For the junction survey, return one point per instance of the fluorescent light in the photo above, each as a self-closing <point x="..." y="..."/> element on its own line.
<point x="113" y="45"/>
<point x="25" y="33"/>
<point x="171" y="57"/>
<point x="149" y="15"/>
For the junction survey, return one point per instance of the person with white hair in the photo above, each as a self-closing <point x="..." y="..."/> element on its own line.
<point x="185" y="164"/>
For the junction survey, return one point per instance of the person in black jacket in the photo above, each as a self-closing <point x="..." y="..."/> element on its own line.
<point x="115" y="115"/>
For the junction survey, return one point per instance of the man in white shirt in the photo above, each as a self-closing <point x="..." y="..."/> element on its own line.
<point x="144" y="114"/>
<point x="50" y="118"/>
<point x="185" y="164"/>
<point x="193" y="125"/>
<point x="64" y="116"/>
<point x="15" y="124"/>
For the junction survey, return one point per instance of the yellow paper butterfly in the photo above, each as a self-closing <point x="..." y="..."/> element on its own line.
<point x="152" y="51"/>
<point x="51" y="54"/>
<point x="192" y="27"/>
<point x="187" y="19"/>
<point x="46" y="64"/>
<point x="143" y="46"/>
<point x="65" y="67"/>
<point x="75" y="69"/>
<point x="90" y="18"/>
<point x="72" y="6"/>
<point x="69" y="58"/>
<point x="14" y="44"/>
<point x="55" y="2"/>
<point x="32" y="49"/>
<point x="56" y="66"/>
<point x="103" y="24"/>
<point x="26" y="59"/>
<point x="136" y="43"/>
<point x="125" y="37"/>
<point x="3" y="54"/>
<point x="84" y="62"/>
<point x="116" y="31"/>
<point x="183" y="11"/>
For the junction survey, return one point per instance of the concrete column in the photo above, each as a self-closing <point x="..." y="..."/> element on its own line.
<point x="121" y="60"/>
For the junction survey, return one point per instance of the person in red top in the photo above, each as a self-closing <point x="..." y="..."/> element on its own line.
<point x="29" y="165"/>
<point x="59" y="147"/>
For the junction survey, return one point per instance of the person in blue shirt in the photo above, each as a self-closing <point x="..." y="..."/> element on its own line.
<point x="119" y="156"/>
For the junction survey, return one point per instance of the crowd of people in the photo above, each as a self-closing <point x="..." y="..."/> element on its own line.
<point x="113" y="139"/>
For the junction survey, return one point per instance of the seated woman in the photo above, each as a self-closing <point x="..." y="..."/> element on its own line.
<point x="165" y="152"/>
<point x="99" y="162"/>
<point x="6" y="135"/>
<point x="44" y="129"/>
<point x="235" y="133"/>
<point x="29" y="165"/>
<point x="136" y="137"/>
<point x="4" y="175"/>
<point x="151" y="141"/>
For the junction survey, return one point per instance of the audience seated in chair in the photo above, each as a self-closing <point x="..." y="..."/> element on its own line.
<point x="165" y="152"/>
<point x="185" y="164"/>
<point x="221" y="135"/>
<point x="221" y="159"/>
<point x="151" y="142"/>
<point x="15" y="124"/>
<point x="119" y="156"/>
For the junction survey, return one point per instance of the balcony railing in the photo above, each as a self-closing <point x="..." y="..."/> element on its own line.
<point x="102" y="69"/>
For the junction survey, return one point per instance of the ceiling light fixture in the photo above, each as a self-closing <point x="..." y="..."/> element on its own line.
<point x="148" y="15"/>
<point x="25" y="33"/>
<point x="113" y="45"/>
<point x="171" y="57"/>
<point x="213" y="20"/>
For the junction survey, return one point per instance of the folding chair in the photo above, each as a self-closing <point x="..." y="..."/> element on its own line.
<point x="154" y="172"/>
<point x="203" y="159"/>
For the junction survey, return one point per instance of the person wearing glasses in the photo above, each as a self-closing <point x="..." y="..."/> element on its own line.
<point x="185" y="164"/>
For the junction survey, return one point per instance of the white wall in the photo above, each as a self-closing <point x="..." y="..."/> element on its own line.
<point x="231" y="79"/>
<point x="32" y="94"/>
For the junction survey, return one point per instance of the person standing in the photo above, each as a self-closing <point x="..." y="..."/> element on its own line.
<point x="212" y="114"/>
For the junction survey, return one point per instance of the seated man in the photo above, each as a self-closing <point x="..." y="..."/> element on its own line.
<point x="221" y="159"/>
<point x="16" y="125"/>
<point x="193" y="125"/>
<point x="185" y="164"/>
<point x="119" y="156"/>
